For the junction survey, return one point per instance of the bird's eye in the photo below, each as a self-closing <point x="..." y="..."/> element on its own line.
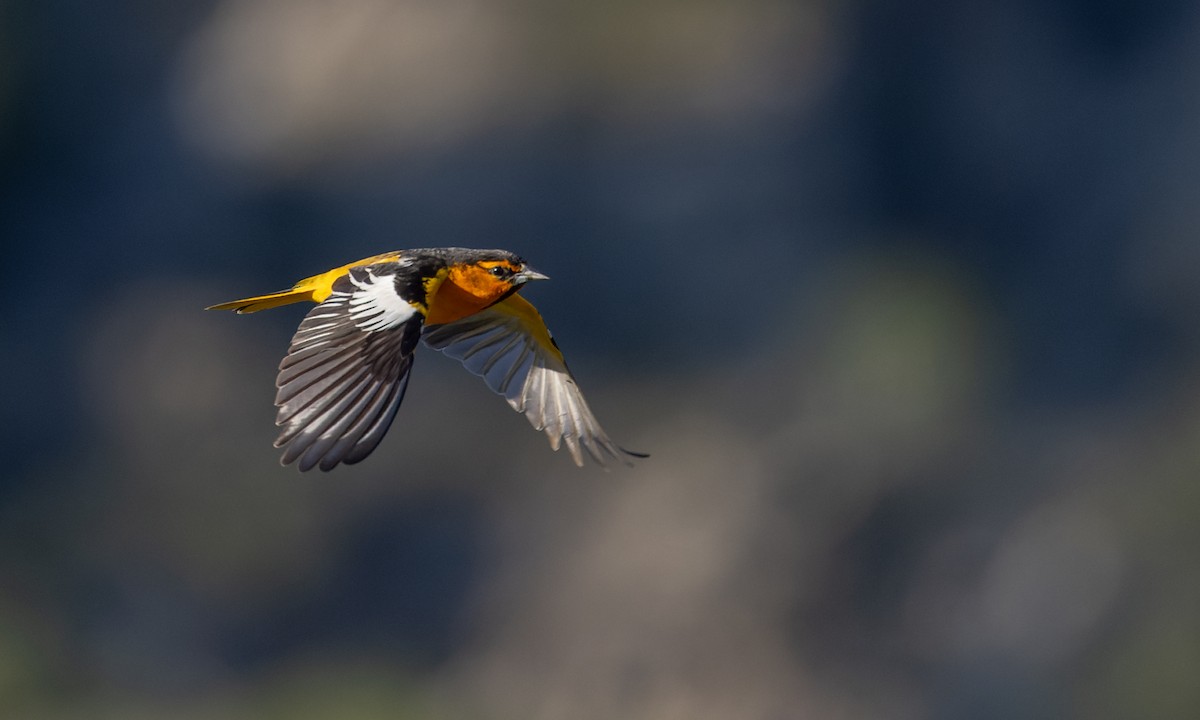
<point x="500" y="271"/>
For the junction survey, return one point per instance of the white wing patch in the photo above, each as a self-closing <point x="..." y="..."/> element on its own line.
<point x="374" y="303"/>
<point x="346" y="371"/>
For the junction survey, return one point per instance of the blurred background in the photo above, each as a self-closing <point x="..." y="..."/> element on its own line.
<point x="900" y="296"/>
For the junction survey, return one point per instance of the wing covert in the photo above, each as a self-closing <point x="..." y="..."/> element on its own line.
<point x="346" y="371"/>
<point x="509" y="346"/>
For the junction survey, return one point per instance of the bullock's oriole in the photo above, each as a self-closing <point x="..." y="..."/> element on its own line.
<point x="349" y="362"/>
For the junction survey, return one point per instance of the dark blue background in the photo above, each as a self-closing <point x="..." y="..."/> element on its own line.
<point x="900" y="297"/>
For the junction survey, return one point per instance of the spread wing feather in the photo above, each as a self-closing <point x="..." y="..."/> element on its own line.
<point x="509" y="346"/>
<point x="346" y="371"/>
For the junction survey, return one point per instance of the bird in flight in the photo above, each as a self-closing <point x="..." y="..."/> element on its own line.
<point x="348" y="364"/>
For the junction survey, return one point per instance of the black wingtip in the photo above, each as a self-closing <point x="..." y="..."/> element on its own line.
<point x="632" y="454"/>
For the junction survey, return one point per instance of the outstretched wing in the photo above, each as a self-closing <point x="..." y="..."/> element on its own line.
<point x="509" y="346"/>
<point x="346" y="370"/>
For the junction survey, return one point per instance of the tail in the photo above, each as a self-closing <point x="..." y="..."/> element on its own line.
<point x="266" y="302"/>
<point x="316" y="289"/>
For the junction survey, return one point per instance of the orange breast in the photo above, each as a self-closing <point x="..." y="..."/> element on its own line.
<point x="465" y="291"/>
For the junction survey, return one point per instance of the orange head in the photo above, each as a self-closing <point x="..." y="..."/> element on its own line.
<point x="490" y="280"/>
<point x="474" y="284"/>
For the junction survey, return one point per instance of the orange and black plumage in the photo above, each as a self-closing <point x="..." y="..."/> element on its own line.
<point x="348" y="364"/>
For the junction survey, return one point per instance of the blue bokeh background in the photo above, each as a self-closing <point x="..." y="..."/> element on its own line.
<point x="901" y="298"/>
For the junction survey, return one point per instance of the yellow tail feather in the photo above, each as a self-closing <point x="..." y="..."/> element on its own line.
<point x="316" y="289"/>
<point x="265" y="302"/>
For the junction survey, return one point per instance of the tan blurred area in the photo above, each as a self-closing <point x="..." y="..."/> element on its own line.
<point x="875" y="487"/>
<point x="281" y="86"/>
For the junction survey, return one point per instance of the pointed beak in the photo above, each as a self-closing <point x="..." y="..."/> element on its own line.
<point x="530" y="274"/>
